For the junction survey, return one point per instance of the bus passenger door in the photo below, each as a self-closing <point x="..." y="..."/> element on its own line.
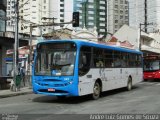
<point x="85" y="77"/>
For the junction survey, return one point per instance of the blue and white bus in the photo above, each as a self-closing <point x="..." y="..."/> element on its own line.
<point x="77" y="67"/>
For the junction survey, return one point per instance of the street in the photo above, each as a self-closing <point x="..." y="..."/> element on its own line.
<point x="143" y="99"/>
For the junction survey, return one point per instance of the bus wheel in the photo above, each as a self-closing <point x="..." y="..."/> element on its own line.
<point x="129" y="84"/>
<point x="96" y="91"/>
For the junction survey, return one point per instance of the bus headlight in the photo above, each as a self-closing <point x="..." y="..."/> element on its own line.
<point x="69" y="83"/>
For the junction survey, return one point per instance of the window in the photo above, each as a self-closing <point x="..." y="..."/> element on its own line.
<point x="121" y="59"/>
<point x="61" y="5"/>
<point x="116" y="6"/>
<point x="121" y="2"/>
<point x="117" y="59"/>
<point x="124" y="59"/>
<point x="61" y="10"/>
<point x="61" y="15"/>
<point x="108" y="58"/>
<point x="116" y="11"/>
<point x="132" y="60"/>
<point x="121" y="11"/>
<point x="121" y="17"/>
<point x="84" y="60"/>
<point x="116" y="21"/>
<point x="98" y="58"/>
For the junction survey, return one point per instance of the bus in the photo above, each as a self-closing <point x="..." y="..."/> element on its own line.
<point x="78" y="67"/>
<point x="151" y="70"/>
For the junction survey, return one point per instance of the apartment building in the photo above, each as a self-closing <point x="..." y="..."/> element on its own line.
<point x="93" y="13"/>
<point x="62" y="11"/>
<point x="30" y="12"/>
<point x="118" y="14"/>
<point x="138" y="15"/>
<point x="10" y="14"/>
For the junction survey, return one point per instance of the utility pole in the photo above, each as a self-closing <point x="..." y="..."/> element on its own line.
<point x="140" y="37"/>
<point x="145" y="14"/>
<point x="16" y="44"/>
<point x="30" y="57"/>
<point x="140" y="26"/>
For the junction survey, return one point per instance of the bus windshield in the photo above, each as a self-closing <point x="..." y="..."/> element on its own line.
<point x="151" y="65"/>
<point x="55" y="59"/>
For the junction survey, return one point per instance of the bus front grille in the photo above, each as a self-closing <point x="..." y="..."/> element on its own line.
<point x="56" y="91"/>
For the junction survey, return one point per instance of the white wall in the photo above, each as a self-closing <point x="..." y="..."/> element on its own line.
<point x="127" y="33"/>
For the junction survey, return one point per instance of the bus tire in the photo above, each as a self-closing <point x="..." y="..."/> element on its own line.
<point x="129" y="84"/>
<point x="96" y="91"/>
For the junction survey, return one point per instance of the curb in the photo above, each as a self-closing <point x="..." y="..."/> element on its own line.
<point x="15" y="94"/>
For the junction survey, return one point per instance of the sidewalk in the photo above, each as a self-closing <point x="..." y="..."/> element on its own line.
<point x="9" y="93"/>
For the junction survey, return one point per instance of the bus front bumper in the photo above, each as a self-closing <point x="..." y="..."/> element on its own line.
<point x="68" y="90"/>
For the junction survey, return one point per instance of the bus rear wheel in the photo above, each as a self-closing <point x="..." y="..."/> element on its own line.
<point x="129" y="84"/>
<point x="96" y="91"/>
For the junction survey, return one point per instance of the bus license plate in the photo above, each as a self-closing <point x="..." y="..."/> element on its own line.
<point x="51" y="90"/>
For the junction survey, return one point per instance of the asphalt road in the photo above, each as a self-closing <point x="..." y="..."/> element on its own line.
<point x="143" y="99"/>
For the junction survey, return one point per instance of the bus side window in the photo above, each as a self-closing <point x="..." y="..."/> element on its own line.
<point x="132" y="60"/>
<point x="84" y="60"/>
<point x="108" y="56"/>
<point x="98" y="58"/>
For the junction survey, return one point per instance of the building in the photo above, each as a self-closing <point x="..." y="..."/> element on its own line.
<point x="147" y="43"/>
<point x="139" y="12"/>
<point x="39" y="12"/>
<point x="30" y="12"/>
<point x="118" y="14"/>
<point x="10" y="14"/>
<point x="2" y="15"/>
<point x="93" y="13"/>
<point x="7" y="40"/>
<point x="2" y="30"/>
<point x="62" y="11"/>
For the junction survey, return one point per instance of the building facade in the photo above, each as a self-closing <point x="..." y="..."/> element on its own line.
<point x="138" y="15"/>
<point x="118" y="14"/>
<point x="10" y="14"/>
<point x="2" y="30"/>
<point x="30" y="12"/>
<point x="2" y="15"/>
<point x="62" y="11"/>
<point x="93" y="13"/>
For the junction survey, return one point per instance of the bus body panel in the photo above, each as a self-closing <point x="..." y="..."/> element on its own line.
<point x="151" y="75"/>
<point x="112" y="78"/>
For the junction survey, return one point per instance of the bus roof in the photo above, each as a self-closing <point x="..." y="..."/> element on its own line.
<point x="95" y="44"/>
